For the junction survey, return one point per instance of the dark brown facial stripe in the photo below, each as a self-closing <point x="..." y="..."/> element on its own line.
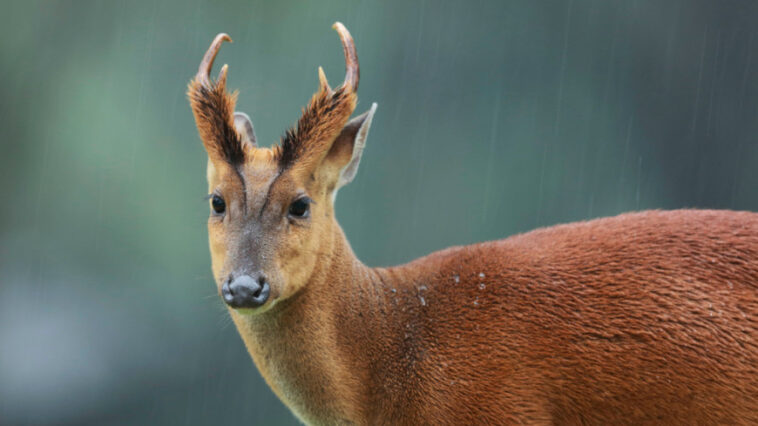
<point x="268" y="192"/>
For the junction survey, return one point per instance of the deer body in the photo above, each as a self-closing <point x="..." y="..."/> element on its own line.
<point x="644" y="318"/>
<point x="641" y="318"/>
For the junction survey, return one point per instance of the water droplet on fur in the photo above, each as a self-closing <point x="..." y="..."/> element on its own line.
<point x="481" y="275"/>
<point x="421" y="288"/>
<point x="482" y="286"/>
<point x="476" y="302"/>
<point x="456" y="278"/>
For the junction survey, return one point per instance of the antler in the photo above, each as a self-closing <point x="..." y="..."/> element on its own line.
<point x="320" y="123"/>
<point x="213" y="108"/>
<point x="203" y="75"/>
<point x="327" y="112"/>
<point x="352" y="70"/>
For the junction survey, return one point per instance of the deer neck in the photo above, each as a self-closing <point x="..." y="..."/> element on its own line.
<point x="312" y="348"/>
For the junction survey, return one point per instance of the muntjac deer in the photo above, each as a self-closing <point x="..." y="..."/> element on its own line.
<point x="643" y="318"/>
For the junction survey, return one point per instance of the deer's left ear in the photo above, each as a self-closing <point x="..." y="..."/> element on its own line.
<point x="344" y="156"/>
<point x="244" y="127"/>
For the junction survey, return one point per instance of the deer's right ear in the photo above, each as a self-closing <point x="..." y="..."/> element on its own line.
<point x="244" y="128"/>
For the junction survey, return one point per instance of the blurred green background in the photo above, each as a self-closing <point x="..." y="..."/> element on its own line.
<point x="494" y="118"/>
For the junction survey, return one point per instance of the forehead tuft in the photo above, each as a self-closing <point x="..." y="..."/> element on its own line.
<point x="261" y="165"/>
<point x="262" y="157"/>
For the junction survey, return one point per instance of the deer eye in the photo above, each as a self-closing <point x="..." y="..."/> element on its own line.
<point x="300" y="207"/>
<point x="218" y="204"/>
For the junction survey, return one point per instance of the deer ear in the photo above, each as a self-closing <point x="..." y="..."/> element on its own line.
<point x="244" y="128"/>
<point x="345" y="153"/>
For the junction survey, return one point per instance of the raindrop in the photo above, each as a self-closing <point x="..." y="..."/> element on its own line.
<point x="481" y="275"/>
<point x="482" y="286"/>
<point x="421" y="298"/>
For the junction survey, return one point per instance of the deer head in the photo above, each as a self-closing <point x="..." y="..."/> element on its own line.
<point x="272" y="209"/>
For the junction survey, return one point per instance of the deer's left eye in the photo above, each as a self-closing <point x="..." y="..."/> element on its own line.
<point x="300" y="207"/>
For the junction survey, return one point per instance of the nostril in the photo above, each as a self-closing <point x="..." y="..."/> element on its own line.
<point x="226" y="291"/>
<point x="261" y="280"/>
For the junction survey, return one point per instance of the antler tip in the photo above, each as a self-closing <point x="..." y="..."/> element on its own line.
<point x="222" y="75"/>
<point x="323" y="81"/>
<point x="352" y="74"/>
<point x="342" y="31"/>
<point x="223" y="37"/>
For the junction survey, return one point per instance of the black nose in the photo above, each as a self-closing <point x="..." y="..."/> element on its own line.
<point x="246" y="291"/>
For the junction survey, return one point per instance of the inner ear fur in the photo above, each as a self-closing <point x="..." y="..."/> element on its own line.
<point x="244" y="127"/>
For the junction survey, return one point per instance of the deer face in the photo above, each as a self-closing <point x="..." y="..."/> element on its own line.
<point x="271" y="210"/>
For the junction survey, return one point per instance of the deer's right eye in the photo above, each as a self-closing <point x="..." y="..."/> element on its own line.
<point x="218" y="204"/>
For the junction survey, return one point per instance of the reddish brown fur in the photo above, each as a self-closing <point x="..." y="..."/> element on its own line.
<point x="643" y="318"/>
